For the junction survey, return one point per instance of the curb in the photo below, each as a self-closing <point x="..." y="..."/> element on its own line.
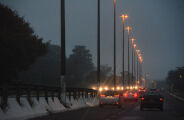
<point x="177" y="97"/>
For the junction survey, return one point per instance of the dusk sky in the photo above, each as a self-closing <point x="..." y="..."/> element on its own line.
<point x="157" y="26"/>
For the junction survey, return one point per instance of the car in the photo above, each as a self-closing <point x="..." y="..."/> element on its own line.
<point x="130" y="95"/>
<point x="142" y="91"/>
<point x="109" y="98"/>
<point x="152" y="99"/>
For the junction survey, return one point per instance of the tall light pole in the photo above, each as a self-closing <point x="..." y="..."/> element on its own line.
<point x="114" y="77"/>
<point x="123" y="49"/>
<point x="132" y="39"/>
<point x="137" y="51"/>
<point x="98" y="45"/>
<point x="134" y="46"/>
<point x="63" y="52"/>
<point x="128" y="29"/>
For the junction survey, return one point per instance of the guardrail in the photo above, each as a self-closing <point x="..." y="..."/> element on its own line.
<point x="29" y="91"/>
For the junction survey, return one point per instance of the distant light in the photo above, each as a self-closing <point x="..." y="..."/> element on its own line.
<point x="94" y="88"/>
<point x="106" y="88"/>
<point x="112" y="88"/>
<point x="122" y="88"/>
<point x="118" y="88"/>
<point x="100" y="89"/>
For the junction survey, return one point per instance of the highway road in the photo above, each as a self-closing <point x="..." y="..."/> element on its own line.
<point x="173" y="110"/>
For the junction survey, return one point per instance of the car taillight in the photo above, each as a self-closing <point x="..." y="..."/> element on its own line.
<point x="116" y="95"/>
<point x="125" y="94"/>
<point x="142" y="98"/>
<point x="135" y="95"/>
<point x="101" y="102"/>
<point x="102" y="95"/>
<point x="117" y="103"/>
<point x="161" y="99"/>
<point x="144" y="90"/>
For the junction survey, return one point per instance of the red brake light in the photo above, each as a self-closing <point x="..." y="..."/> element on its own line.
<point x="102" y="95"/>
<point x="161" y="99"/>
<point x="116" y="95"/>
<point x="142" y="98"/>
<point x="117" y="103"/>
<point x="125" y="94"/>
<point x="135" y="95"/>
<point x="101" y="102"/>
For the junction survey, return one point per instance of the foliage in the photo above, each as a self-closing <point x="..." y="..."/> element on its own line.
<point x="19" y="46"/>
<point x="79" y="65"/>
<point x="175" y="79"/>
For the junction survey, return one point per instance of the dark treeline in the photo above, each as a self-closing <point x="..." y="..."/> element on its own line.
<point x="175" y="79"/>
<point x="26" y="59"/>
<point x="19" y="45"/>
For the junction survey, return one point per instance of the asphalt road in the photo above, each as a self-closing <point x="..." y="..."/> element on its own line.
<point x="173" y="110"/>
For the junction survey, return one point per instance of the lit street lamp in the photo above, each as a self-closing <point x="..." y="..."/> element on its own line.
<point x="114" y="77"/>
<point x="132" y="39"/>
<point x="123" y="50"/>
<point x="128" y="29"/>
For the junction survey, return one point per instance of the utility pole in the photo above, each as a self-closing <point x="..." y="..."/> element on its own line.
<point x="63" y="50"/>
<point x="98" y="45"/>
<point x="114" y="44"/>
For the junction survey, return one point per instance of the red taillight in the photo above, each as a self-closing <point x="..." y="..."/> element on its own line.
<point x="117" y="103"/>
<point x="101" y="102"/>
<point x="135" y="95"/>
<point x="125" y="94"/>
<point x="161" y="99"/>
<point x="142" y="98"/>
<point x="144" y="90"/>
<point x="139" y="90"/>
<point x="102" y="95"/>
<point x="116" y="95"/>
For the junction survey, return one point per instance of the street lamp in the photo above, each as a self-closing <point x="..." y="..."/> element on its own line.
<point x="114" y="77"/>
<point x="128" y="29"/>
<point x="98" y="45"/>
<point x="123" y="16"/>
<point x="132" y="39"/>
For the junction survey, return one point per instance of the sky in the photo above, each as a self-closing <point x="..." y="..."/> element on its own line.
<point x="157" y="26"/>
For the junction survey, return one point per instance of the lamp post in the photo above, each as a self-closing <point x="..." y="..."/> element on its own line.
<point x="123" y="49"/>
<point x="63" y="50"/>
<point x="128" y="29"/>
<point x="114" y="77"/>
<point x="137" y="51"/>
<point x="132" y="39"/>
<point x="98" y="45"/>
<point x="134" y="60"/>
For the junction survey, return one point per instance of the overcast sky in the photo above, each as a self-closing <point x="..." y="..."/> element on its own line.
<point x="157" y="26"/>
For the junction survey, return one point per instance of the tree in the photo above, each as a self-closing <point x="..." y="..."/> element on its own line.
<point x="19" y="45"/>
<point x="79" y="65"/>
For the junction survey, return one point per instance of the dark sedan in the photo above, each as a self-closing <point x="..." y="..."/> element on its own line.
<point x="152" y="100"/>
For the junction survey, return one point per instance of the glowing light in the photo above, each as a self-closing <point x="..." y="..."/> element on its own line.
<point x="124" y="16"/>
<point x="136" y="87"/>
<point x="134" y="45"/>
<point x="112" y="88"/>
<point x="132" y="39"/>
<point x="100" y="89"/>
<point x="122" y="88"/>
<point x="128" y="28"/>
<point x="127" y="87"/>
<point x="131" y="87"/>
<point x="94" y="88"/>
<point x="118" y="88"/>
<point x="106" y="88"/>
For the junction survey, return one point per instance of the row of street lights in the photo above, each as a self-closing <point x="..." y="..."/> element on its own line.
<point x="134" y="50"/>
